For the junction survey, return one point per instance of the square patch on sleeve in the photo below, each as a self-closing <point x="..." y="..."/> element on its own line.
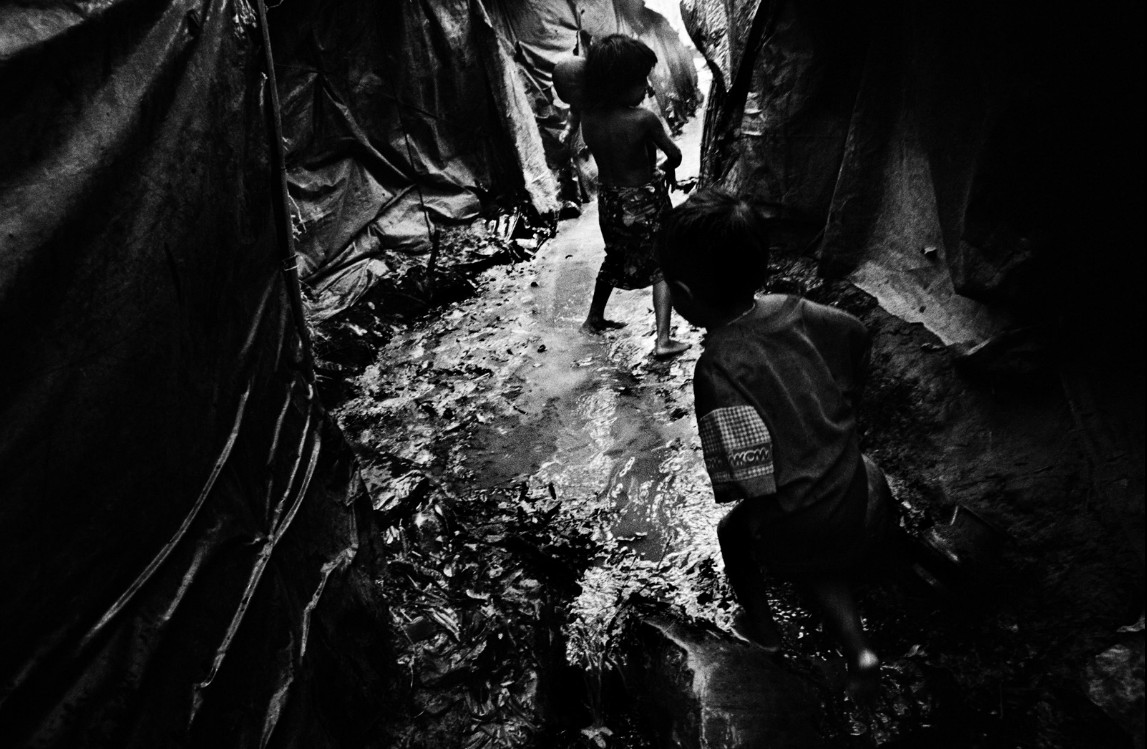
<point x="738" y="450"/>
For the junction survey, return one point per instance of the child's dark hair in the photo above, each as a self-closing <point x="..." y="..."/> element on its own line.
<point x="613" y="65"/>
<point x="717" y="243"/>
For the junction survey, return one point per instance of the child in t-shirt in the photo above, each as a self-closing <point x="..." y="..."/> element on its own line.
<point x="633" y="194"/>
<point x="776" y="391"/>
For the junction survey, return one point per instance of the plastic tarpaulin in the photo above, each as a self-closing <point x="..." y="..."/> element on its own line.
<point x="402" y="116"/>
<point x="785" y="78"/>
<point x="946" y="152"/>
<point x="182" y="538"/>
<point x="397" y="116"/>
<point x="542" y="32"/>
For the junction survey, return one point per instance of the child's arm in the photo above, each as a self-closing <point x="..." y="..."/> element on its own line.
<point x="735" y="441"/>
<point x="574" y="125"/>
<point x="660" y="137"/>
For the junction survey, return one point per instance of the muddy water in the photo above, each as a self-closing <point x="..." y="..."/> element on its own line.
<point x="609" y="427"/>
<point x="505" y="389"/>
<point x="604" y="420"/>
<point x="612" y="423"/>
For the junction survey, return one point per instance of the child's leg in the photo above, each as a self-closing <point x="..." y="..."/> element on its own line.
<point x="595" y="321"/>
<point x="882" y="531"/>
<point x="832" y="596"/>
<point x="737" y="533"/>
<point x="662" y="309"/>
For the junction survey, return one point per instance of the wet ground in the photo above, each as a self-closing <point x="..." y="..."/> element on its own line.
<point x="502" y="394"/>
<point x="505" y="389"/>
<point x="501" y="404"/>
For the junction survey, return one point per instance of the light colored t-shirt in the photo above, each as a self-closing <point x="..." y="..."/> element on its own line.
<point x="775" y="398"/>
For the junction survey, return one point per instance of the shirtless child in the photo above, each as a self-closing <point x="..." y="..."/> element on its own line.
<point x="633" y="196"/>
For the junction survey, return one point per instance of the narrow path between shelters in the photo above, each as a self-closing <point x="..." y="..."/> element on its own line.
<point x="595" y="417"/>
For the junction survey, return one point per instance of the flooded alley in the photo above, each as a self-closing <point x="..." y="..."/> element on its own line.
<point x="501" y="400"/>
<point x="303" y="444"/>
<point x="506" y="389"/>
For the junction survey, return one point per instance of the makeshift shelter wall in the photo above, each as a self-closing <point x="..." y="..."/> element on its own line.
<point x="542" y="32"/>
<point x="986" y="180"/>
<point x="397" y="116"/>
<point x="181" y="533"/>
<point x="785" y="77"/>
<point x="674" y="78"/>
<point x="1004" y="136"/>
<point x="400" y="116"/>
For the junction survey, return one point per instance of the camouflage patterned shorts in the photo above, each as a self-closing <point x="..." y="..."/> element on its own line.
<point x="630" y="219"/>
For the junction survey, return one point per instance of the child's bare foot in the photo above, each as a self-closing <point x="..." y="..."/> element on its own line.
<point x="600" y="325"/>
<point x="669" y="348"/>
<point x="864" y="677"/>
<point x="763" y="633"/>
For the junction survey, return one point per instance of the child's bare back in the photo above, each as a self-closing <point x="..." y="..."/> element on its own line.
<point x="623" y="140"/>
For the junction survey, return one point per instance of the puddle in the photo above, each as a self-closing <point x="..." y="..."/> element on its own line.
<point x="504" y="390"/>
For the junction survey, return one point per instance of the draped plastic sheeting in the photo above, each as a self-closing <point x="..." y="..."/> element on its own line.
<point x="179" y="534"/>
<point x="1002" y="135"/>
<point x="397" y="116"/>
<point x="541" y="32"/>
<point x="400" y="116"/>
<point x="785" y="78"/>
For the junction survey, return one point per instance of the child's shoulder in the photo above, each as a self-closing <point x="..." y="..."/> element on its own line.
<point x="730" y="345"/>
<point x="646" y="117"/>
<point x="775" y="313"/>
<point x="828" y="315"/>
<point x="625" y="115"/>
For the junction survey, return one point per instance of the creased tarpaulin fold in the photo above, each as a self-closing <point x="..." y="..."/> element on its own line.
<point x="181" y="530"/>
<point x="1003" y="137"/>
<point x="396" y="114"/>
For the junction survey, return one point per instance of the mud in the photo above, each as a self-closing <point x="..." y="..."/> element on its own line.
<point x="500" y="400"/>
<point x="532" y="477"/>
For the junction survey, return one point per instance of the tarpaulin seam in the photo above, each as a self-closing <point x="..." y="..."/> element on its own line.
<point x="388" y="97"/>
<point x="851" y="185"/>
